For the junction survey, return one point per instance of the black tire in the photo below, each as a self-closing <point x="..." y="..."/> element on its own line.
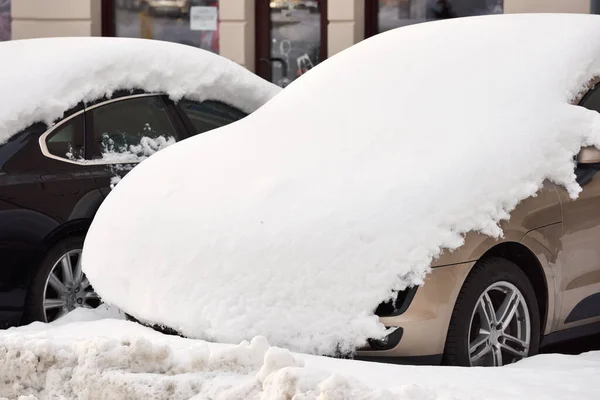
<point x="486" y="273"/>
<point x="34" y="303"/>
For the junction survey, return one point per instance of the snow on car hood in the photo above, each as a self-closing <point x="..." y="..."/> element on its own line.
<point x="43" y="78"/>
<point x="296" y="222"/>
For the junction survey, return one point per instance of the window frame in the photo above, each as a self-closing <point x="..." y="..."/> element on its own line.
<point x="44" y="136"/>
<point x="88" y="130"/>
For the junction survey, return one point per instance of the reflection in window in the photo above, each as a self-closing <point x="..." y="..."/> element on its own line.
<point x="131" y="130"/>
<point x="397" y="13"/>
<point x="5" y="20"/>
<point x="209" y="115"/>
<point x="191" y="22"/>
<point x="67" y="141"/>
<point x="295" y="38"/>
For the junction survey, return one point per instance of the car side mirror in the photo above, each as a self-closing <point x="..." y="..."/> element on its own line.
<point x="588" y="156"/>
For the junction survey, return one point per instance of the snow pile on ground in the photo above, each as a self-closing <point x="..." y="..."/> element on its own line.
<point x="297" y="221"/>
<point x="84" y="69"/>
<point x="118" y="359"/>
<point x="115" y="359"/>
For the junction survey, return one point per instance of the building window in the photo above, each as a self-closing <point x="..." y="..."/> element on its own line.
<point x="5" y="20"/>
<point x="383" y="15"/>
<point x="191" y="22"/>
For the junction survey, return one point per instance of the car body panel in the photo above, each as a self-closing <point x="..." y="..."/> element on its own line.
<point x="532" y="213"/>
<point x="34" y="206"/>
<point x="426" y="320"/>
<point x="537" y="225"/>
<point x="44" y="197"/>
<point x="580" y="256"/>
<point x="545" y="244"/>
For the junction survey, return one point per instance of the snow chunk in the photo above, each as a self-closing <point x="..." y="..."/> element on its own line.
<point x="276" y="358"/>
<point x="299" y="233"/>
<point x="114" y="181"/>
<point x="132" y="153"/>
<point x="85" y="69"/>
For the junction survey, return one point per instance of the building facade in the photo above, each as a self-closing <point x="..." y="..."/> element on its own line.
<point x="277" y="39"/>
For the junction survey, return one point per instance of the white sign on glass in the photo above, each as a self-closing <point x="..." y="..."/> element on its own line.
<point x="203" y="18"/>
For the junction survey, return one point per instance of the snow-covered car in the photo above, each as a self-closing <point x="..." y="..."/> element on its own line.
<point x="71" y="130"/>
<point x="436" y="201"/>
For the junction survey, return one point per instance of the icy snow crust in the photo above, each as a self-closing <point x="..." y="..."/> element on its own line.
<point x="115" y="359"/>
<point x="43" y="78"/>
<point x="296" y="222"/>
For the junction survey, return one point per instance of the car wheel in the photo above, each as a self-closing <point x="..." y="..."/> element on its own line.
<point x="59" y="285"/>
<point x="496" y="320"/>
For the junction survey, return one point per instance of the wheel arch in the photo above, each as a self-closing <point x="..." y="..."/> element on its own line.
<point x="528" y="262"/>
<point x="70" y="228"/>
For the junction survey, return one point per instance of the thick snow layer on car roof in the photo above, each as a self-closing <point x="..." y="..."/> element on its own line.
<point x="296" y="222"/>
<point x="43" y="78"/>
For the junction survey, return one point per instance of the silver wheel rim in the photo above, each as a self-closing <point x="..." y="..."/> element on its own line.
<point x="500" y="327"/>
<point x="67" y="288"/>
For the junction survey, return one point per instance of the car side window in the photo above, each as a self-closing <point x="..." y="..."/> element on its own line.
<point x="131" y="129"/>
<point x="591" y="100"/>
<point x="208" y="115"/>
<point x="67" y="140"/>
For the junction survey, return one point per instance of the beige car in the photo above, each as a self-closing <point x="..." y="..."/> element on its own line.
<point x="493" y="302"/>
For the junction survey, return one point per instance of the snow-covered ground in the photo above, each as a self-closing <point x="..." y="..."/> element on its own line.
<point x="89" y="356"/>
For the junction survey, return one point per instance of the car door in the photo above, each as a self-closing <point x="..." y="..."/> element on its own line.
<point x="65" y="185"/>
<point x="579" y="278"/>
<point x="124" y="131"/>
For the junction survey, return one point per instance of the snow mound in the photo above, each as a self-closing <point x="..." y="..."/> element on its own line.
<point x="296" y="222"/>
<point x="115" y="359"/>
<point x="49" y="364"/>
<point x="85" y="69"/>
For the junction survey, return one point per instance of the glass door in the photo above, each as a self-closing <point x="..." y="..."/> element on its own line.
<point x="383" y="15"/>
<point x="191" y="22"/>
<point x="291" y="38"/>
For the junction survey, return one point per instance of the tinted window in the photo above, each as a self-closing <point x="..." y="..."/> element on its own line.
<point x="132" y="128"/>
<point x="67" y="141"/>
<point x="209" y="114"/>
<point x="591" y="100"/>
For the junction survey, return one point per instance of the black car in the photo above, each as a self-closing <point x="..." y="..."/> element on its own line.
<point x="53" y="179"/>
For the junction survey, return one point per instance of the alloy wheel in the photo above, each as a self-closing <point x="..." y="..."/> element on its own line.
<point x="500" y="328"/>
<point x="67" y="288"/>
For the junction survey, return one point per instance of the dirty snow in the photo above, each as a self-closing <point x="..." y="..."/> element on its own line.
<point x="91" y="358"/>
<point x="84" y="69"/>
<point x="297" y="221"/>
